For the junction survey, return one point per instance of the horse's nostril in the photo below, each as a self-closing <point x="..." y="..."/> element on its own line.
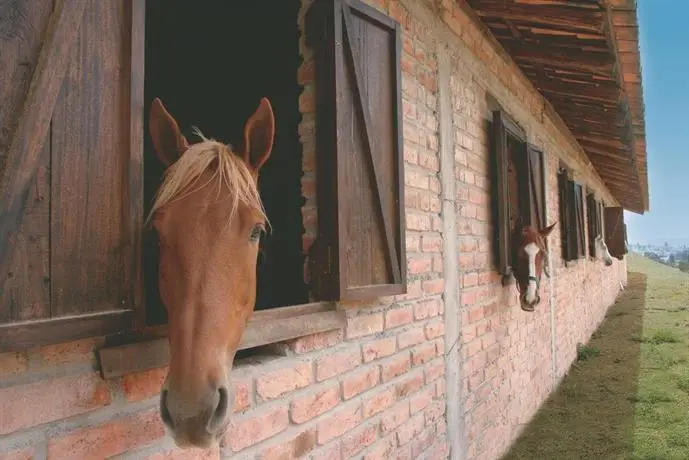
<point x="220" y="412"/>
<point x="164" y="412"/>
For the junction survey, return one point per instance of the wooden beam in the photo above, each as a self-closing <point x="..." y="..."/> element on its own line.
<point x="31" y="131"/>
<point x="265" y="327"/>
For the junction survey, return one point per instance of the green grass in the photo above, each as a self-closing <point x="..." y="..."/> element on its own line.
<point x="627" y="395"/>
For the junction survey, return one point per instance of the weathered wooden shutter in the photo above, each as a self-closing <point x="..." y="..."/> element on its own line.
<point x="536" y="187"/>
<point x="502" y="203"/>
<point x="615" y="231"/>
<point x="579" y="219"/>
<point x="592" y="221"/>
<point x="567" y="217"/>
<point x="360" y="248"/>
<point x="71" y="185"/>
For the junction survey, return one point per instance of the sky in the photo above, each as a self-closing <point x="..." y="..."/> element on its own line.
<point x="664" y="47"/>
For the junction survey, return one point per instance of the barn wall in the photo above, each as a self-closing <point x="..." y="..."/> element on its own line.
<point x="378" y="389"/>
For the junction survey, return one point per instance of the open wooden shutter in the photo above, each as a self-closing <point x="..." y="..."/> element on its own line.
<point x="360" y="248"/>
<point x="579" y="219"/>
<point x="592" y="221"/>
<point x="502" y="235"/>
<point x="71" y="185"/>
<point x="536" y="187"/>
<point x="615" y="231"/>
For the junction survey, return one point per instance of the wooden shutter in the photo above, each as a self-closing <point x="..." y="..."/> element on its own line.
<point x="360" y="248"/>
<point x="502" y="235"/>
<point x="567" y="218"/>
<point x="592" y="212"/>
<point x="71" y="186"/>
<point x="536" y="187"/>
<point x="615" y="231"/>
<point x="578" y="202"/>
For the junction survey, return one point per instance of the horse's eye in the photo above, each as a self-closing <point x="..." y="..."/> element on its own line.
<point x="256" y="233"/>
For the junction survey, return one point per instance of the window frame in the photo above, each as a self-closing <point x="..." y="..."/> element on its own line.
<point x="131" y="345"/>
<point x="528" y="188"/>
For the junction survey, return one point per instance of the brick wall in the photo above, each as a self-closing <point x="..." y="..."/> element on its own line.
<point x="377" y="389"/>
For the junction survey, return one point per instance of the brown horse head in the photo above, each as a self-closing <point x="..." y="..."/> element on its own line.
<point x="528" y="262"/>
<point x="209" y="218"/>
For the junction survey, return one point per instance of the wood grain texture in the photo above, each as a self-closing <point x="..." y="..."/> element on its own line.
<point x="358" y="79"/>
<point x="90" y="263"/>
<point x="32" y="127"/>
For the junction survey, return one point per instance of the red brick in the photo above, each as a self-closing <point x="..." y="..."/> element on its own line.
<point x="12" y="363"/>
<point x="435" y="286"/>
<point x="423" y="353"/>
<point x="359" y="439"/>
<point x="435" y="411"/>
<point x="363" y="325"/>
<point x="394" y="367"/>
<point x="410" y="429"/>
<point x="275" y="383"/>
<point x="341" y="421"/>
<point x="435" y="329"/>
<point x="435" y="370"/>
<point x="419" y="264"/>
<point x="306" y="72"/>
<point x="432" y="243"/>
<point x="112" y="438"/>
<point x="24" y="406"/>
<point x="398" y="316"/>
<point x="71" y="352"/>
<point x="316" y="342"/>
<point x="242" y="393"/>
<point x="382" y="450"/>
<point x="188" y="454"/>
<point x="297" y="447"/>
<point x="394" y="417"/>
<point x="379" y="402"/>
<point x="331" y="365"/>
<point x="410" y="384"/>
<point x="470" y="279"/>
<point x="143" y="385"/>
<point x="421" y="400"/>
<point x="379" y="349"/>
<point x="23" y="454"/>
<point x="426" y="309"/>
<point x="411" y="337"/>
<point x="318" y="402"/>
<point x="257" y="427"/>
<point x="307" y="100"/>
<point x="358" y="383"/>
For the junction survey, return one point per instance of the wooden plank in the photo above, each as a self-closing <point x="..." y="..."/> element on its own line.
<point x="90" y="224"/>
<point x="25" y="290"/>
<point x="272" y="327"/>
<point x="369" y="145"/>
<point x="33" y="125"/>
<point x="27" y="334"/>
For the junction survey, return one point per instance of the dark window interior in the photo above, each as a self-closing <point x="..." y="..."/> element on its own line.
<point x="210" y="63"/>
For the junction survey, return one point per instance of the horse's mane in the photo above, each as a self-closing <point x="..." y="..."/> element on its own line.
<point x="230" y="172"/>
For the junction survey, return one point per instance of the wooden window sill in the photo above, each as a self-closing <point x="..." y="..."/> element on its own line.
<point x="265" y="327"/>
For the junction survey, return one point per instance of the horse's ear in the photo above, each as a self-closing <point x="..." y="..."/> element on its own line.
<point x="546" y="231"/>
<point x="168" y="141"/>
<point x="259" y="132"/>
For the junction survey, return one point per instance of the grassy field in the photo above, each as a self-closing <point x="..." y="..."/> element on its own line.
<point x="627" y="395"/>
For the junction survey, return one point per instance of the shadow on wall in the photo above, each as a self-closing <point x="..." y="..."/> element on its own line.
<point x="591" y="414"/>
